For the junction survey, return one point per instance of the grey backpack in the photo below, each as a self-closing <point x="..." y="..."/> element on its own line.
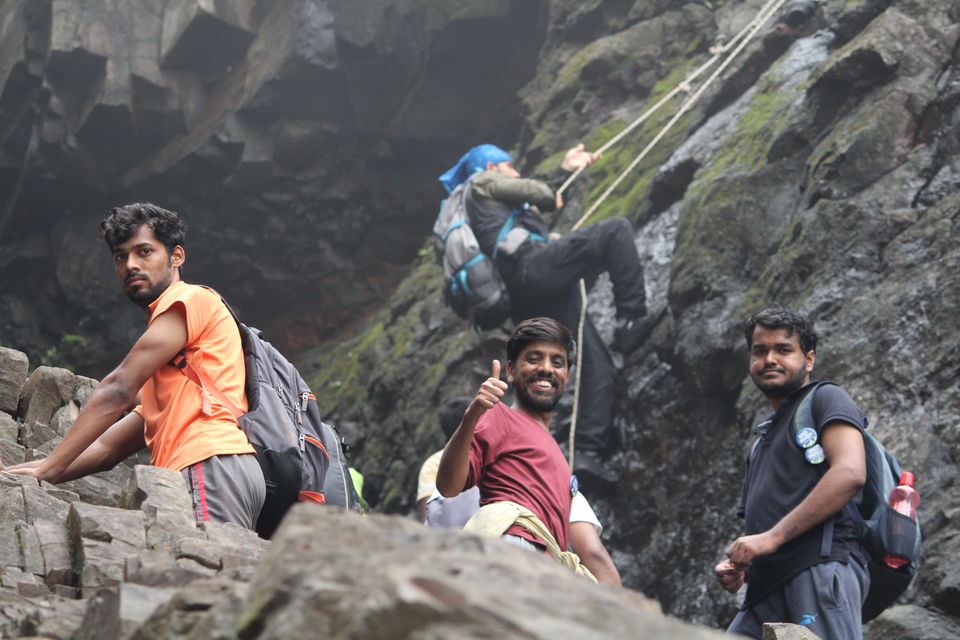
<point x="473" y="286"/>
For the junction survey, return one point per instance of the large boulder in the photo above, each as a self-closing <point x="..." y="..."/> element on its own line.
<point x="330" y="573"/>
<point x="13" y="372"/>
<point x="46" y="390"/>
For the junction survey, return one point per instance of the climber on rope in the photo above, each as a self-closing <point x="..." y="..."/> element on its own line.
<point x="525" y="483"/>
<point x="542" y="277"/>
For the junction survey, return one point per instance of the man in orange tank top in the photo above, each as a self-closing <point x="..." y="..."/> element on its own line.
<point x="208" y="448"/>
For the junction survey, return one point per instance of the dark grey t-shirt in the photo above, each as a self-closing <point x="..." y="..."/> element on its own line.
<point x="779" y="477"/>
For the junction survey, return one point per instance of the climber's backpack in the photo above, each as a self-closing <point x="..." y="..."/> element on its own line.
<point x="473" y="286"/>
<point x="880" y="528"/>
<point x="282" y="423"/>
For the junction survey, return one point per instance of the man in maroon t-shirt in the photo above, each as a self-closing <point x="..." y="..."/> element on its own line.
<point x="508" y="452"/>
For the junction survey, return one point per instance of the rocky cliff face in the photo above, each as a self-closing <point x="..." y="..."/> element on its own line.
<point x="820" y="172"/>
<point x="292" y="135"/>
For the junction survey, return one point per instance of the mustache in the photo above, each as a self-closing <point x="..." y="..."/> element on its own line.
<point x="539" y="376"/>
<point x="772" y="367"/>
<point x="135" y="275"/>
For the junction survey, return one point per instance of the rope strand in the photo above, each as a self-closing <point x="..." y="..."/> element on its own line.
<point x="576" y="385"/>
<point x="769" y="9"/>
<point x="685" y="86"/>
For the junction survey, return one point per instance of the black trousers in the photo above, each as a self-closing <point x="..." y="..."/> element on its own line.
<point x="598" y="375"/>
<point x="549" y="270"/>
<point x="543" y="281"/>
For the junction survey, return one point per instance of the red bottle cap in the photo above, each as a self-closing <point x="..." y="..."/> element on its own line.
<point x="906" y="478"/>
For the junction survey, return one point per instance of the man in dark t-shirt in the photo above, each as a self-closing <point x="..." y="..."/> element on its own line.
<point x="799" y="554"/>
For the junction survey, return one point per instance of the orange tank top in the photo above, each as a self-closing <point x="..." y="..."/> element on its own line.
<point x="176" y="431"/>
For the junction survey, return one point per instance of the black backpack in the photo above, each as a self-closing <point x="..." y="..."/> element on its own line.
<point x="282" y="423"/>
<point x="880" y="528"/>
<point x="473" y="287"/>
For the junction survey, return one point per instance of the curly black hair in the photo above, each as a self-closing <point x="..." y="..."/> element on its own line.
<point x="124" y="221"/>
<point x="781" y="318"/>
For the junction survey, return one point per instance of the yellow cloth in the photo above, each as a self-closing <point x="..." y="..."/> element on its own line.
<point x="495" y="518"/>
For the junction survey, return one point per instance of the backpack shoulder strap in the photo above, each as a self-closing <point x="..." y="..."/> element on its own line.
<point x="207" y="386"/>
<point x="803" y="418"/>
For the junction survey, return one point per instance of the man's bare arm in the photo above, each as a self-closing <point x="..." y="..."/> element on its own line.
<point x="587" y="544"/>
<point x="843" y="445"/>
<point x="454" y="464"/>
<point x="123" y="438"/>
<point x="116" y="393"/>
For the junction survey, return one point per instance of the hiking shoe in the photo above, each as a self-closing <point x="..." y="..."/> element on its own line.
<point x="592" y="469"/>
<point x="629" y="333"/>
<point x="798" y="12"/>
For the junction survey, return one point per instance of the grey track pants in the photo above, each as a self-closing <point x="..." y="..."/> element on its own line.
<point x="227" y="488"/>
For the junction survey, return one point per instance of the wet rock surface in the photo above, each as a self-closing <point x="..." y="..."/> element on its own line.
<point x="821" y="172"/>
<point x="822" y="177"/>
<point x="291" y="135"/>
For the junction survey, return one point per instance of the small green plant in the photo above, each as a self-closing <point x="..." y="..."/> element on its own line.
<point x="62" y="354"/>
<point x="51" y="357"/>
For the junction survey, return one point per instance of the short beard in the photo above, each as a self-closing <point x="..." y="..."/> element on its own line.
<point x="538" y="403"/>
<point x="145" y="296"/>
<point x="783" y="389"/>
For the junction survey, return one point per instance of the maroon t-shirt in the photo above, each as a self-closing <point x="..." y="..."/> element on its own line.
<point x="512" y="457"/>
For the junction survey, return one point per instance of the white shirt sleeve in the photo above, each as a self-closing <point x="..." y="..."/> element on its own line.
<point x="581" y="511"/>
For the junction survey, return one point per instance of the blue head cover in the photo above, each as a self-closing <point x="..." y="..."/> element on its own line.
<point x="473" y="161"/>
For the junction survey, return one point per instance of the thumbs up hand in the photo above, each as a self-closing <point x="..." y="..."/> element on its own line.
<point x="490" y="392"/>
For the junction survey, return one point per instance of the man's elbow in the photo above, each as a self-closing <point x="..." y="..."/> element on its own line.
<point x="115" y="391"/>
<point x="601" y="565"/>
<point x="597" y="558"/>
<point x="446" y="489"/>
<point x="860" y="477"/>
<point x="854" y="477"/>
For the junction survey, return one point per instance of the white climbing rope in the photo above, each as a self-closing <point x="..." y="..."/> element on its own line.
<point x="685" y="86"/>
<point x="576" y="386"/>
<point x="750" y="32"/>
